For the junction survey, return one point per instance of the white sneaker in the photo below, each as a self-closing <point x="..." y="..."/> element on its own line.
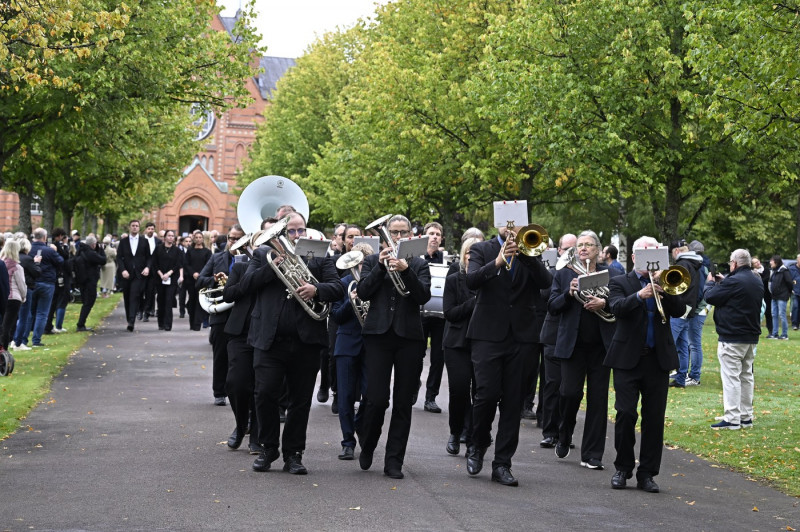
<point x="12" y="345"/>
<point x="672" y="374"/>
<point x="691" y="382"/>
<point x="719" y="418"/>
<point x="60" y="330"/>
<point x="23" y="347"/>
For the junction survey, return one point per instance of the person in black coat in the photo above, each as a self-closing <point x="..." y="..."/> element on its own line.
<point x="31" y="267"/>
<point x="133" y="263"/>
<point x="88" y="260"/>
<point x="503" y="338"/>
<point x="168" y="266"/>
<point x="458" y="302"/>
<point x="393" y="339"/>
<point x="197" y="256"/>
<point x="581" y="344"/>
<point x="642" y="353"/>
<point x="780" y="287"/>
<point x="287" y="342"/>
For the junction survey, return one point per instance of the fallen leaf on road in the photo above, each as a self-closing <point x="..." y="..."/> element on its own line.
<point x="355" y="508"/>
<point x="755" y="508"/>
<point x="690" y="503"/>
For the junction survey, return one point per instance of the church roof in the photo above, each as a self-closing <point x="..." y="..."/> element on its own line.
<point x="274" y="69"/>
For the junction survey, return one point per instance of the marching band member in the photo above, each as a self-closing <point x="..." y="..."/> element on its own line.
<point x="641" y="354"/>
<point x="351" y="375"/>
<point x="458" y="303"/>
<point x="215" y="271"/>
<point x="287" y="343"/>
<point x="502" y="338"/>
<point x="581" y="345"/>
<point x="393" y="338"/>
<point x="433" y="326"/>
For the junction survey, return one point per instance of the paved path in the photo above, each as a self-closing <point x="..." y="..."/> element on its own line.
<point x="129" y="440"/>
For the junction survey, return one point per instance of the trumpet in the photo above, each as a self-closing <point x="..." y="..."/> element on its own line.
<point x="291" y="271"/>
<point x="380" y="225"/>
<point x="675" y="280"/>
<point x="351" y="260"/>
<point x="569" y="259"/>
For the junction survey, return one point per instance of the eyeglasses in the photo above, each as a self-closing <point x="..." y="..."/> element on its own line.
<point x="233" y="238"/>
<point x="399" y="233"/>
<point x="293" y="232"/>
<point x="585" y="245"/>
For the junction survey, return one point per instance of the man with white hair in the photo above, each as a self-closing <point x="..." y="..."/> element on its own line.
<point x="737" y="316"/>
<point x="88" y="261"/>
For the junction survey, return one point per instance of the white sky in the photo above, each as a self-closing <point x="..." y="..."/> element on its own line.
<point x="287" y="27"/>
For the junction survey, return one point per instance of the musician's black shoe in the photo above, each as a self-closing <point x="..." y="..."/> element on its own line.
<point x="138" y="315"/>
<point x="219" y="401"/>
<point x="528" y="413"/>
<point x="393" y="472"/>
<point x="549" y="442"/>
<point x="265" y="459"/>
<point x="335" y="405"/>
<point x="502" y="474"/>
<point x="365" y="459"/>
<point x="618" y="481"/>
<point x="130" y="327"/>
<point x="562" y="449"/>
<point x="431" y="406"/>
<point x="294" y="464"/>
<point x="255" y="448"/>
<point x="322" y="395"/>
<point x="235" y="439"/>
<point x="348" y="453"/>
<point x="647" y="484"/>
<point x="475" y="460"/>
<point x="453" y="445"/>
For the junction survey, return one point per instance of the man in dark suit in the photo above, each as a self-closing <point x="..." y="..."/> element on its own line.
<point x="89" y="258"/>
<point x="215" y="270"/>
<point x="149" y="296"/>
<point x="642" y="353"/>
<point x="133" y="263"/>
<point x="503" y="337"/>
<point x="286" y="342"/>
<point x="393" y="339"/>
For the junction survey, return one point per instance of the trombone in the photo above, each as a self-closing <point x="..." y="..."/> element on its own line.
<point x="675" y="280"/>
<point x="531" y="240"/>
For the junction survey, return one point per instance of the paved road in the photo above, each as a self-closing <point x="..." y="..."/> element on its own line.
<point x="129" y="440"/>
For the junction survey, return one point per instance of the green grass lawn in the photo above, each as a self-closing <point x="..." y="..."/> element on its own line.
<point x="770" y="451"/>
<point x="34" y="370"/>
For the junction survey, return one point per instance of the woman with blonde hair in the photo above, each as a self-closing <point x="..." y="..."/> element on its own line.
<point x="18" y="290"/>
<point x="30" y="266"/>
<point x="108" y="272"/>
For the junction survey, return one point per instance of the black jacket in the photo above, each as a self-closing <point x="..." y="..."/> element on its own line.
<point x="780" y="284"/>
<point x="737" y="306"/>
<point x="238" y="292"/>
<point x="458" y="303"/>
<point x="87" y="264"/>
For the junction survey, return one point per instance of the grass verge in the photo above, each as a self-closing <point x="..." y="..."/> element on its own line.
<point x="34" y="370"/>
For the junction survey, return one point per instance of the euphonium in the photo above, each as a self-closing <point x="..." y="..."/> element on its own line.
<point x="351" y="260"/>
<point x="380" y="226"/>
<point x="210" y="299"/>
<point x="292" y="271"/>
<point x="569" y="259"/>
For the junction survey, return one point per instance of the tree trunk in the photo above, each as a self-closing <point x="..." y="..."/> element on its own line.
<point x="49" y="208"/>
<point x="66" y="217"/>
<point x="25" y="200"/>
<point x="84" y="221"/>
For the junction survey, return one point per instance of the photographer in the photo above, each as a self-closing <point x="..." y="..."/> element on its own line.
<point x="89" y="258"/>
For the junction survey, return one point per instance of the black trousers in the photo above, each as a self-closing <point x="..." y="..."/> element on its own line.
<point x="88" y="297"/>
<point x="650" y="382"/>
<point x="132" y="290"/>
<point x="459" y="377"/>
<point x="219" y="348"/>
<point x="196" y="313"/>
<point x="240" y="385"/>
<point x="499" y="374"/>
<point x="290" y="359"/>
<point x="535" y="379"/>
<point x="166" y="295"/>
<point x="327" y="362"/>
<point x="182" y="299"/>
<point x="551" y="411"/>
<point x="433" y="328"/>
<point x="352" y="379"/>
<point x="149" y="295"/>
<point x="585" y="365"/>
<point x="9" y="322"/>
<point x="383" y="353"/>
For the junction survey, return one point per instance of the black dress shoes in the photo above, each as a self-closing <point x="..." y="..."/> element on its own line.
<point x="322" y="395"/>
<point x="618" y="481"/>
<point x="502" y="474"/>
<point x="235" y="439"/>
<point x="265" y="459"/>
<point x="431" y="406"/>
<point x="549" y="442"/>
<point x="219" y="401"/>
<point x="255" y="448"/>
<point x="293" y="464"/>
<point x="475" y="460"/>
<point x="85" y="329"/>
<point x="393" y="472"/>
<point x="453" y="445"/>
<point x="348" y="453"/>
<point x="647" y="484"/>
<point x="562" y="449"/>
<point x="528" y="413"/>
<point x="365" y="459"/>
<point x="130" y="327"/>
<point x="138" y="315"/>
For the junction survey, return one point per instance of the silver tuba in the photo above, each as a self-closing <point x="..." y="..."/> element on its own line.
<point x="379" y="225"/>
<point x="261" y="199"/>
<point x="351" y="260"/>
<point x="210" y="299"/>
<point x="569" y="259"/>
<point x="292" y="271"/>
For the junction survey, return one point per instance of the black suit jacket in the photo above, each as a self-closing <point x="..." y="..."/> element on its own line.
<point x="458" y="303"/>
<point x="237" y="291"/>
<point x="387" y="308"/>
<point x="506" y="303"/>
<point x="631" y="334"/>
<point x="271" y="300"/>
<point x="569" y="309"/>
<point x="126" y="261"/>
<point x="219" y="263"/>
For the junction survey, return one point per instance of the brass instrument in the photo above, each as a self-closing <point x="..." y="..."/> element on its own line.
<point x="210" y="299"/>
<point x="351" y="260"/>
<point x="675" y="280"/>
<point x="292" y="271"/>
<point x="570" y="259"/>
<point x="246" y="244"/>
<point x="380" y="225"/>
<point x="509" y="235"/>
<point x="532" y="240"/>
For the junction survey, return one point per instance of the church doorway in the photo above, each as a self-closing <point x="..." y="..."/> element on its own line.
<point x="188" y="224"/>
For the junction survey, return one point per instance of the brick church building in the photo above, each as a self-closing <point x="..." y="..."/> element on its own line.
<point x="204" y="194"/>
